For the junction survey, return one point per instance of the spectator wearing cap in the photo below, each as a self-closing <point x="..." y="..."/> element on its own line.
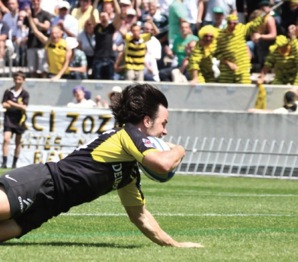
<point x="36" y="60"/>
<point x="233" y="52"/>
<point x="66" y="21"/>
<point x="128" y="20"/>
<point x="103" y="63"/>
<point x="81" y="98"/>
<point x="131" y="17"/>
<point x="57" y="52"/>
<point x="228" y="6"/>
<point x="200" y="61"/>
<point x="116" y="91"/>
<point x="263" y="37"/>
<point x="124" y="6"/>
<point x="283" y="60"/>
<point x="78" y="61"/>
<point x="83" y="13"/>
<point x="219" y="20"/>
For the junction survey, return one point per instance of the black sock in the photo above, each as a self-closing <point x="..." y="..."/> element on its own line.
<point x="4" y="160"/>
<point x="14" y="163"/>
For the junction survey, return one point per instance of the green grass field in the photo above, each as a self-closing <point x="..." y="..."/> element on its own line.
<point x="236" y="219"/>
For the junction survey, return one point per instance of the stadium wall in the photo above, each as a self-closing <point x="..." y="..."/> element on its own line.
<point x="217" y="142"/>
<point x="180" y="96"/>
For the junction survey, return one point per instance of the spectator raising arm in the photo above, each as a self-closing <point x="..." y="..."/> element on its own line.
<point x="3" y="8"/>
<point x="155" y="30"/>
<point x="41" y="37"/>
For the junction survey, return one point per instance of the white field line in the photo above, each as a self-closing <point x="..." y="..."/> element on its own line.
<point x="190" y="193"/>
<point x="180" y="215"/>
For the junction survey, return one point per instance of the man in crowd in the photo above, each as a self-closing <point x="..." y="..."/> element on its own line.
<point x="36" y="60"/>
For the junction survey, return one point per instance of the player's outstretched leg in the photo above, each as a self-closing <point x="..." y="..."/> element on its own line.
<point x="8" y="227"/>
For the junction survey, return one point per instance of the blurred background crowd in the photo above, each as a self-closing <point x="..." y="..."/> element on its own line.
<point x="195" y="41"/>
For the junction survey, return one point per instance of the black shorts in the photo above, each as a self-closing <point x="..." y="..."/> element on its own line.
<point x="31" y="194"/>
<point x="14" y="130"/>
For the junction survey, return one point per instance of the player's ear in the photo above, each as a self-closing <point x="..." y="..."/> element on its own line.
<point x="147" y="122"/>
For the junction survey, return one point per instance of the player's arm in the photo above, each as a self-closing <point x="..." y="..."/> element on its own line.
<point x="147" y="224"/>
<point x="11" y="104"/>
<point x="117" y="19"/>
<point x="41" y="37"/>
<point x="165" y="161"/>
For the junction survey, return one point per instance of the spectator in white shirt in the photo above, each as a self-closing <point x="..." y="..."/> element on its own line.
<point x="67" y="22"/>
<point x="82" y="98"/>
<point x="153" y="54"/>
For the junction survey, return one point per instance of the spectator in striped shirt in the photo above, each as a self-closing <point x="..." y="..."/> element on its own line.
<point x="200" y="61"/>
<point x="233" y="52"/>
<point x="135" y="51"/>
<point x="283" y="60"/>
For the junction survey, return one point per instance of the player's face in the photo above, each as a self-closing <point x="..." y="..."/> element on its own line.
<point x="18" y="80"/>
<point x="158" y="126"/>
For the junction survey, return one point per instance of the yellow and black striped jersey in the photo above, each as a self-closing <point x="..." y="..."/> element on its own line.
<point x="107" y="163"/>
<point x="285" y="65"/>
<point x="135" y="51"/>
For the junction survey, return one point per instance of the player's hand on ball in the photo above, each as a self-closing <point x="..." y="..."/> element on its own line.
<point x="171" y="145"/>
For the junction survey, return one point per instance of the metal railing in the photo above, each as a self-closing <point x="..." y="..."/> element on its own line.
<point x="239" y="157"/>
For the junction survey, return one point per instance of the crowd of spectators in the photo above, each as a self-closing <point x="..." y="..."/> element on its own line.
<point x="192" y="41"/>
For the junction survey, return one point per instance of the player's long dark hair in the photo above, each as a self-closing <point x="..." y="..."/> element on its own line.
<point x="137" y="101"/>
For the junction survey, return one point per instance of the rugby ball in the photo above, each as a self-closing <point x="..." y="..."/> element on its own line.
<point x="162" y="146"/>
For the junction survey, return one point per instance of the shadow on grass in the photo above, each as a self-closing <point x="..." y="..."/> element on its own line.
<point x="63" y="244"/>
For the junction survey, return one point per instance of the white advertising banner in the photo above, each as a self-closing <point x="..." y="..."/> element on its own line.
<point x="54" y="132"/>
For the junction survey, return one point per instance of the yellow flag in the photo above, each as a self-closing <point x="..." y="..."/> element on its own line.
<point x="261" y="102"/>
